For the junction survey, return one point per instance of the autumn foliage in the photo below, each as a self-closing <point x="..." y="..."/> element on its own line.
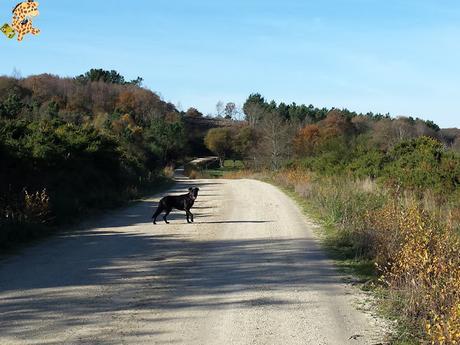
<point x="414" y="244"/>
<point x="388" y="190"/>
<point x="417" y="255"/>
<point x="70" y="145"/>
<point x="306" y="140"/>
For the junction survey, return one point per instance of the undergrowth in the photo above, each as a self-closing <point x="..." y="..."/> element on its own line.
<point x="403" y="245"/>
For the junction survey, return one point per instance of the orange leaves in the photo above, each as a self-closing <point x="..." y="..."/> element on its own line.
<point x="125" y="125"/>
<point x="306" y="139"/>
<point x="126" y="101"/>
<point x="310" y="137"/>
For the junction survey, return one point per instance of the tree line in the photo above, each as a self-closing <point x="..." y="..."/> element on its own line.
<point x="408" y="151"/>
<point x="387" y="189"/>
<point x="69" y="145"/>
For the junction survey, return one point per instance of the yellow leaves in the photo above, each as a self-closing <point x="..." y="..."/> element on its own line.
<point x="126" y="122"/>
<point x="419" y="255"/>
<point x="416" y="251"/>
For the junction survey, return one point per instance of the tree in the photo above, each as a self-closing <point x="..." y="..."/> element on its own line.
<point x="362" y="123"/>
<point x="388" y="132"/>
<point x="306" y="140"/>
<point x="421" y="164"/>
<point x="275" y="140"/>
<point x="219" y="141"/>
<point x="230" y="110"/>
<point x="193" y="112"/>
<point x="126" y="102"/>
<point x="11" y="106"/>
<point x="254" y="108"/>
<point x="283" y="110"/>
<point x="137" y="82"/>
<point x="244" y="141"/>
<point x="337" y="123"/>
<point x="166" y="139"/>
<point x="52" y="109"/>
<point x="220" y="108"/>
<point x="112" y="77"/>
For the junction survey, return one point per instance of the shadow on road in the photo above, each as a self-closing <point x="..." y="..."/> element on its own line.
<point x="174" y="274"/>
<point x="162" y="272"/>
<point x="236" y="222"/>
<point x="142" y="211"/>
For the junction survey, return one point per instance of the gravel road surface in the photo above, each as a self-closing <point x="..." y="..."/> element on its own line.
<point x="248" y="271"/>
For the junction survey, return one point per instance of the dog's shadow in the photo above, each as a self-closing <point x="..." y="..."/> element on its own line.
<point x="235" y="222"/>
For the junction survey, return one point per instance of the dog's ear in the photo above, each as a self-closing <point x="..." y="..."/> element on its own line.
<point x="190" y="189"/>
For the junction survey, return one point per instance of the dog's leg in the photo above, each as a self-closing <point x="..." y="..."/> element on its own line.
<point x="189" y="216"/>
<point x="168" y="211"/>
<point x="157" y="213"/>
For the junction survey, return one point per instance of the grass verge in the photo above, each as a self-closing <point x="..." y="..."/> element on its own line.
<point x="343" y="255"/>
<point x="398" y="246"/>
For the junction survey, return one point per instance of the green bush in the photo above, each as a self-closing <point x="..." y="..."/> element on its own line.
<point x="422" y="164"/>
<point x="79" y="167"/>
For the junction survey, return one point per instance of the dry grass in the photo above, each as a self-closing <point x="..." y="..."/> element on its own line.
<point x="168" y="171"/>
<point x="36" y="206"/>
<point x="239" y="174"/>
<point x="414" y="243"/>
<point x="194" y="174"/>
<point x="418" y="258"/>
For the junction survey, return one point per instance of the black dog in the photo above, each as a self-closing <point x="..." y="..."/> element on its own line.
<point x="181" y="202"/>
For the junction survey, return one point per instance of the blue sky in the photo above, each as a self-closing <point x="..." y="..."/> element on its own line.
<point x="397" y="56"/>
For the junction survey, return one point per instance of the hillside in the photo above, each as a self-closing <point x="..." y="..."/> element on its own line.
<point x="451" y="135"/>
<point x="72" y="145"/>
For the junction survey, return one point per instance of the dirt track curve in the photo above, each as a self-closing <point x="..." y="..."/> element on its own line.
<point x="249" y="271"/>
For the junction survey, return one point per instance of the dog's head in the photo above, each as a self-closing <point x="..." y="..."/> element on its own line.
<point x="193" y="191"/>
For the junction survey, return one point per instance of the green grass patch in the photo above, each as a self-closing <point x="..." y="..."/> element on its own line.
<point x="233" y="165"/>
<point x="229" y="166"/>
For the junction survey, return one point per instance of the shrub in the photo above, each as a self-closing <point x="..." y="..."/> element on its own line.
<point x="54" y="171"/>
<point x="422" y="164"/>
<point x="418" y="257"/>
<point x="414" y="243"/>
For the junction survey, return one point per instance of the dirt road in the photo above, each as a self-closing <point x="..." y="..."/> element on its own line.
<point x="247" y="272"/>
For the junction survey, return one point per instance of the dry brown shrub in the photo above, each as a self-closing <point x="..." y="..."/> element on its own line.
<point x="414" y="242"/>
<point x="295" y="178"/>
<point x="193" y="174"/>
<point x="168" y="171"/>
<point x="238" y="174"/>
<point x="36" y="207"/>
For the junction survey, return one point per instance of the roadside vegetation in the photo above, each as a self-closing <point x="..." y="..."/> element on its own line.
<point x="387" y="191"/>
<point x="69" y="146"/>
